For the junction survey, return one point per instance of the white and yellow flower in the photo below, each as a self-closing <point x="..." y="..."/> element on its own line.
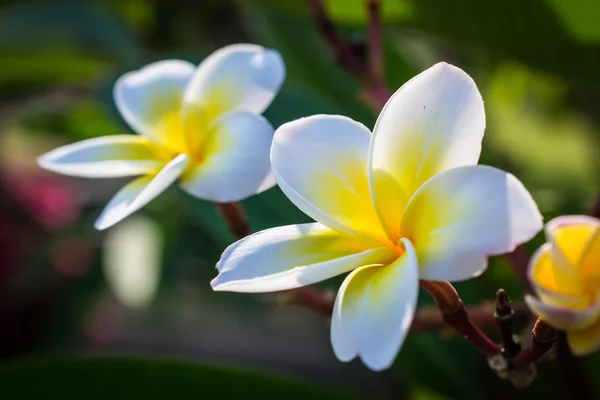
<point x="565" y="274"/>
<point x="407" y="202"/>
<point x="199" y="125"/>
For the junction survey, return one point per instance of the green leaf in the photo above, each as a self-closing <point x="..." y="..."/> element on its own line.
<point x="29" y="68"/>
<point x="531" y="32"/>
<point x="355" y="11"/>
<point x="140" y="378"/>
<point x="83" y="25"/>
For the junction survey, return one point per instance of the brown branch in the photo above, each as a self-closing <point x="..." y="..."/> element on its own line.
<point x="504" y="315"/>
<point x="455" y="314"/>
<point x="376" y="94"/>
<point x="543" y="337"/>
<point x="310" y="298"/>
<point x="430" y="319"/>
<point x="375" y="46"/>
<point x="329" y="32"/>
<point x="236" y="219"/>
<point x="425" y="319"/>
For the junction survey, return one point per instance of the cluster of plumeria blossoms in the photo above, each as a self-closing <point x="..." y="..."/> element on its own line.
<point x="199" y="125"/>
<point x="404" y="203"/>
<point x="565" y="274"/>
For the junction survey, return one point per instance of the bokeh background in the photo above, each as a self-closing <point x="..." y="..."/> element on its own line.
<point x="140" y="291"/>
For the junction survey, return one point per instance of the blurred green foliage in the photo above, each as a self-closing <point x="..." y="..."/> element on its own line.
<point x="535" y="62"/>
<point x="118" y="377"/>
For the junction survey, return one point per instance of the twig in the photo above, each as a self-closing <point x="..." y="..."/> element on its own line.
<point x="236" y="219"/>
<point x="310" y="298"/>
<point x="504" y="315"/>
<point x="375" y="91"/>
<point x="573" y="372"/>
<point x="430" y="319"/>
<point x="328" y="30"/>
<point x="455" y="314"/>
<point x="425" y="319"/>
<point x="542" y="340"/>
<point x="375" y="46"/>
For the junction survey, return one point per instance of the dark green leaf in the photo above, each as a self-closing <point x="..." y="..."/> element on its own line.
<point x="138" y="378"/>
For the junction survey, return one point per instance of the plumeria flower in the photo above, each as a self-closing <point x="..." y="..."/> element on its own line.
<point x="565" y="274"/>
<point x="407" y="202"/>
<point x="201" y="125"/>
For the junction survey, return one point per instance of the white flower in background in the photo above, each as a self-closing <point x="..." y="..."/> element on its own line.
<point x="565" y="274"/>
<point x="405" y="203"/>
<point x="132" y="258"/>
<point x="199" y="125"/>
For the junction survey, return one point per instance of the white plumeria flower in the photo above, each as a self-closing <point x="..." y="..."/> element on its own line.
<point x="199" y="125"/>
<point x="405" y="203"/>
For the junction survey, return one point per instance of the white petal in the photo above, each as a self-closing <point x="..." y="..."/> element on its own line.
<point x="105" y="157"/>
<point x="235" y="161"/>
<point x="564" y="318"/>
<point x="432" y="123"/>
<point x="463" y="215"/>
<point x="150" y="100"/>
<point x="237" y="77"/>
<point x="140" y="192"/>
<point x="374" y="309"/>
<point x="291" y="256"/>
<point x="320" y="163"/>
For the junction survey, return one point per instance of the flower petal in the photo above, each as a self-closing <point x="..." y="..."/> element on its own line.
<point x="590" y="258"/>
<point x="585" y="341"/>
<point x="105" y="157"/>
<point x="461" y="216"/>
<point x="432" y="123"/>
<point x="564" y="318"/>
<point x="556" y="284"/>
<point x="291" y="256"/>
<point x="150" y="100"/>
<point x="374" y="309"/>
<point x="235" y="161"/>
<point x="320" y="163"/>
<point x="569" y="235"/>
<point x="237" y="77"/>
<point x="140" y="192"/>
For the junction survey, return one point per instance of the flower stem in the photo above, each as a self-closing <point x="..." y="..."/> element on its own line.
<point x="236" y="219"/>
<point x="455" y="314"/>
